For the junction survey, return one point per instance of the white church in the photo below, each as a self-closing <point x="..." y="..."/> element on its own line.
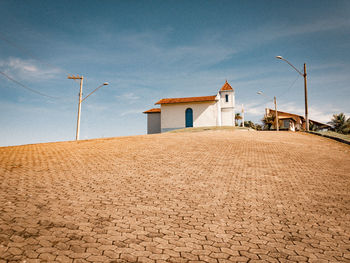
<point x="205" y="111"/>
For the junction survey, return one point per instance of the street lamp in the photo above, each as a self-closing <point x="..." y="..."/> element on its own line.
<point x="81" y="100"/>
<point x="275" y="102"/>
<point x="103" y="84"/>
<point x="305" y="89"/>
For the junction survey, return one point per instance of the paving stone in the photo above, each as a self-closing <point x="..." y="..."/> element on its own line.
<point x="30" y="254"/>
<point x="79" y="255"/>
<point x="77" y="249"/>
<point x="249" y="255"/>
<point x="33" y="260"/>
<point x="97" y="259"/>
<point x="189" y="256"/>
<point x="47" y="256"/>
<point x="159" y="256"/>
<point x="145" y="260"/>
<point x="79" y="260"/>
<point x="45" y="250"/>
<point x="128" y="257"/>
<point x="15" y="251"/>
<point x="111" y="254"/>
<point x="63" y="259"/>
<point x="208" y="259"/>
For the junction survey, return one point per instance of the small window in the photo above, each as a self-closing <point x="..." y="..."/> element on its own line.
<point x="226" y="98"/>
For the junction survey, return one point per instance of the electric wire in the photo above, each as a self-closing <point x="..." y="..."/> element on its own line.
<point x="268" y="100"/>
<point x="27" y="88"/>
<point x="28" y="53"/>
<point x="286" y="91"/>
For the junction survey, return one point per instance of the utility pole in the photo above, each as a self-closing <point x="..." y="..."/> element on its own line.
<point x="79" y="105"/>
<point x="306" y="108"/>
<point x="274" y="99"/>
<point x="305" y="89"/>
<point x="242" y="116"/>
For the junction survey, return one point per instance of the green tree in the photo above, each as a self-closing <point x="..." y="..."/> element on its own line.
<point x="312" y="126"/>
<point x="268" y="121"/>
<point x="249" y="124"/>
<point x="346" y="129"/>
<point x="258" y="127"/>
<point x="340" y="123"/>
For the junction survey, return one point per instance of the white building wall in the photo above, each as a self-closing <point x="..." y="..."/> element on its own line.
<point x="173" y="115"/>
<point x="231" y="99"/>
<point x="227" y="116"/>
<point x="218" y="111"/>
<point x="153" y="122"/>
<point x="227" y="108"/>
<point x="205" y="115"/>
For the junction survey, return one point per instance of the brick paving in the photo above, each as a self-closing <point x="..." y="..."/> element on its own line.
<point x="215" y="196"/>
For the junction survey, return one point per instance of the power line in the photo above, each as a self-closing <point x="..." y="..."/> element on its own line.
<point x="268" y="100"/>
<point x="25" y="87"/>
<point x="30" y="54"/>
<point x="284" y="92"/>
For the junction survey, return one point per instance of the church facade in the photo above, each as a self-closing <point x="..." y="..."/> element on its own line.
<point x="205" y="111"/>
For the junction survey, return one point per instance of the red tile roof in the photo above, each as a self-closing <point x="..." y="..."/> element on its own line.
<point x="226" y="87"/>
<point x="283" y="112"/>
<point x="301" y="117"/>
<point x="188" y="99"/>
<point x="154" y="110"/>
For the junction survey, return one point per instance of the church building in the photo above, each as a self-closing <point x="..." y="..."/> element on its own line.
<point x="205" y="111"/>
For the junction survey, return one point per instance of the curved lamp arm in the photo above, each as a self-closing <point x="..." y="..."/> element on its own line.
<point x="262" y="94"/>
<point x="104" y="84"/>
<point x="280" y="57"/>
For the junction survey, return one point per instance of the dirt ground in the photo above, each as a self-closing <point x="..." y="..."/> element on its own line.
<point x="214" y="196"/>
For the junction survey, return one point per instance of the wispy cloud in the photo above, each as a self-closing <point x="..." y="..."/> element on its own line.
<point x="27" y="69"/>
<point x="97" y="107"/>
<point x="316" y="26"/>
<point x="128" y="97"/>
<point x="254" y="109"/>
<point x="150" y="51"/>
<point x="131" y="112"/>
<point x="267" y="33"/>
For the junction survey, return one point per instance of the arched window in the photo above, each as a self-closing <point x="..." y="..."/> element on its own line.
<point x="226" y="98"/>
<point x="189" y="117"/>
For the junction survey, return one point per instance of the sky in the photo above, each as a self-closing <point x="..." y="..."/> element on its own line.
<point x="148" y="50"/>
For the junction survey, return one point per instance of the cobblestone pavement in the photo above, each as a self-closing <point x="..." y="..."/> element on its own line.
<point x="215" y="196"/>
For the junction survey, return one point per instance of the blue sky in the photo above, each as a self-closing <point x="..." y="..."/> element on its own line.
<point x="148" y="50"/>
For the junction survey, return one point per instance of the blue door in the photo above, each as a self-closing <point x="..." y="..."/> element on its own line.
<point x="189" y="117"/>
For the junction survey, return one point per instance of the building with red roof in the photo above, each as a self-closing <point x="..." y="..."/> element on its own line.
<point x="294" y="122"/>
<point x="204" y="111"/>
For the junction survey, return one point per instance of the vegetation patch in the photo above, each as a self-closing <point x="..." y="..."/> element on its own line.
<point x="332" y="134"/>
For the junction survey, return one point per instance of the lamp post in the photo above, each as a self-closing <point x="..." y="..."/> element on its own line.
<point x="305" y="89"/>
<point x="275" y="102"/>
<point x="81" y="100"/>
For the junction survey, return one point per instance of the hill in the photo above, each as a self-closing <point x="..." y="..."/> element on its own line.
<point x="207" y="196"/>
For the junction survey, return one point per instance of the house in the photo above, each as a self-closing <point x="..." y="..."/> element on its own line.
<point x="179" y="113"/>
<point x="290" y="121"/>
<point x="153" y="120"/>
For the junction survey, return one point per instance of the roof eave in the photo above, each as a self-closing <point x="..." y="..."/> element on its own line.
<point x="158" y="103"/>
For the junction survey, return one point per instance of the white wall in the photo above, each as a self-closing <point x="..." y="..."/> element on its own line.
<point x="173" y="115"/>
<point x="227" y="108"/>
<point x="231" y="99"/>
<point x="227" y="116"/>
<point x="153" y="122"/>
